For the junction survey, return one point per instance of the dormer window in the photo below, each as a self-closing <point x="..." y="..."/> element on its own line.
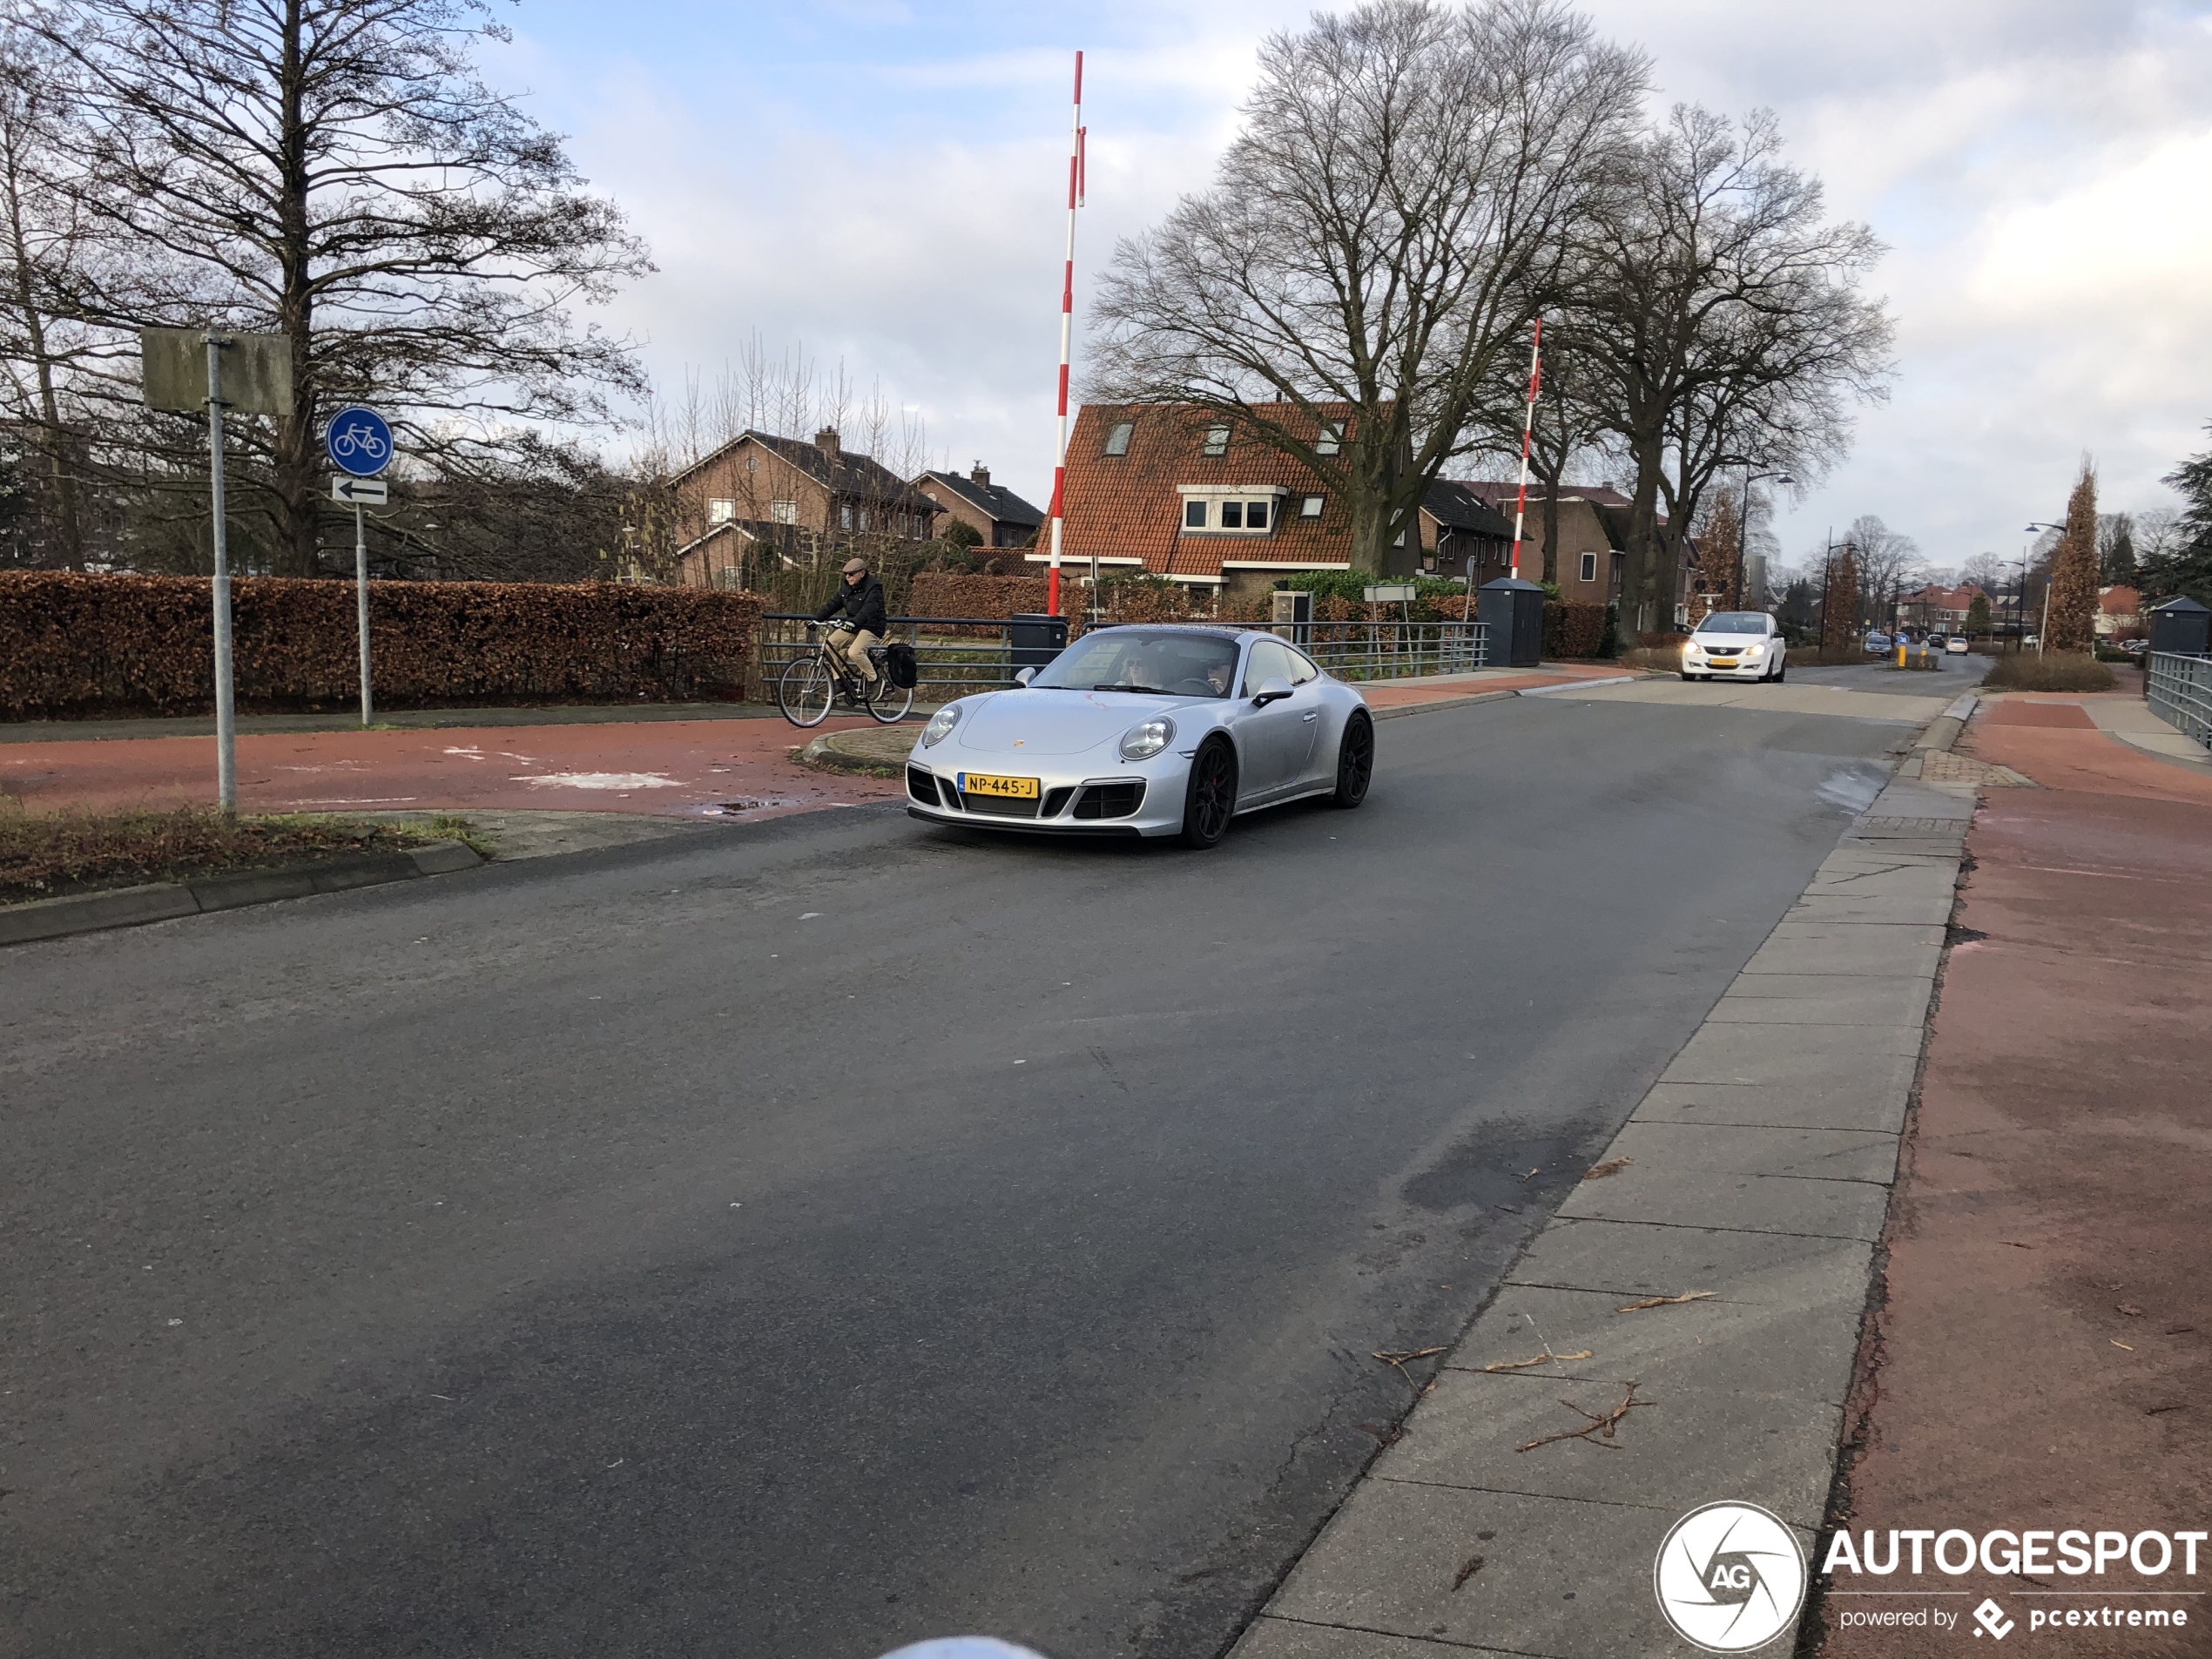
<point x="1117" y="437"/>
<point x="1216" y="441"/>
<point x="1233" y="510"/>
<point x="1331" y="439"/>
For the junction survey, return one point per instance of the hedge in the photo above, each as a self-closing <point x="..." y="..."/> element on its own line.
<point x="75" y="645"/>
<point x="954" y="593"/>
<point x="1577" y="633"/>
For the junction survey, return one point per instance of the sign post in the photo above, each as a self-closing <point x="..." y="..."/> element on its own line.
<point x="360" y="445"/>
<point x="260" y="383"/>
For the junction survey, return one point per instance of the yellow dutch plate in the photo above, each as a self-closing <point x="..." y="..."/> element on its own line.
<point x="984" y="783"/>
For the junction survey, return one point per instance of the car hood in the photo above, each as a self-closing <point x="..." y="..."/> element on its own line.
<point x="1707" y="642"/>
<point x="1057" y="723"/>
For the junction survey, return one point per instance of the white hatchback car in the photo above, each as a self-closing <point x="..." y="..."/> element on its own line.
<point x="1736" y="645"/>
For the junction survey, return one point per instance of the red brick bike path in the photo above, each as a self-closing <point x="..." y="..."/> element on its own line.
<point x="670" y="768"/>
<point x="679" y="768"/>
<point x="2045" y="1348"/>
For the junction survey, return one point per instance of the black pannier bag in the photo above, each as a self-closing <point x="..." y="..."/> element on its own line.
<point x="899" y="662"/>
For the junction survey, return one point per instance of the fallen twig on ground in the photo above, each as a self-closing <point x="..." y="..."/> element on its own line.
<point x="1474" y="1566"/>
<point x="1599" y="1431"/>
<point x="1663" y="1301"/>
<point x="1542" y="1359"/>
<point x="1611" y="1166"/>
<point x="1397" y="1357"/>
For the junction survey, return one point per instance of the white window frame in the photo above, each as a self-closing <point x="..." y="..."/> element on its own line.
<point x="1216" y="496"/>
<point x="1589" y="566"/>
<point x="721" y="512"/>
<point x="783" y="512"/>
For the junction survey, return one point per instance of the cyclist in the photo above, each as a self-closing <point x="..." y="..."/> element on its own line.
<point x="861" y="600"/>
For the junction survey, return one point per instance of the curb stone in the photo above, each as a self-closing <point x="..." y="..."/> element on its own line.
<point x="1752" y="1181"/>
<point x="160" y="901"/>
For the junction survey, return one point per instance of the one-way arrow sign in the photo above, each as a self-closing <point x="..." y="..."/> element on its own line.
<point x="366" y="492"/>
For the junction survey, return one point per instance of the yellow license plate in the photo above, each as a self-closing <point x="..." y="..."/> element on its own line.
<point x="982" y="783"/>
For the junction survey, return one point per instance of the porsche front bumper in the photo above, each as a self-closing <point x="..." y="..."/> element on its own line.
<point x="1142" y="798"/>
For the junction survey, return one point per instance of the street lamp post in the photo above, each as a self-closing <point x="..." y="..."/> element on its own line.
<point x="2043" y="636"/>
<point x="1744" y="530"/>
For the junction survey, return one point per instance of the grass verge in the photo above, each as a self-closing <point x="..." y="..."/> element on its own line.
<point x="2053" y="672"/>
<point x="45" y="856"/>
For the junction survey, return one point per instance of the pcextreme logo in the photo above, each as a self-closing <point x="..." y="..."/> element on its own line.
<point x="1729" y="1577"/>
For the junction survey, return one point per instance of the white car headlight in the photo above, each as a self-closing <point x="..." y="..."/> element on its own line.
<point x="1143" y="742"/>
<point x="1755" y="650"/>
<point x="940" y="725"/>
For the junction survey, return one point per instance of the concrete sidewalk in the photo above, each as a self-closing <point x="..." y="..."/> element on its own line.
<point x="2040" y="1356"/>
<point x="1750" y="1186"/>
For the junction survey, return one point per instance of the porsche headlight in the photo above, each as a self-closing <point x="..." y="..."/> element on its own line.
<point x="1143" y="742"/>
<point x="940" y="725"/>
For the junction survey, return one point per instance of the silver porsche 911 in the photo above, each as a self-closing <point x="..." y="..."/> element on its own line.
<point x="1167" y="730"/>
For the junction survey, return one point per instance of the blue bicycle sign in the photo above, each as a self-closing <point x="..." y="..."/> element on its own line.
<point x="358" y="441"/>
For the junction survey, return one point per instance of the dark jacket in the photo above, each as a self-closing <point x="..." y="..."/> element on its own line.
<point x="863" y="606"/>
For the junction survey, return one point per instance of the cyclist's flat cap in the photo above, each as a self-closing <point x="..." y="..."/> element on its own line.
<point x="854" y="566"/>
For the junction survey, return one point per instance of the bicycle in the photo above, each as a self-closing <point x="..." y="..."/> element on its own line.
<point x="809" y="684"/>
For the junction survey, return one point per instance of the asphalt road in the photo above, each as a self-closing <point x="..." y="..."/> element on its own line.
<point x="804" y="1238"/>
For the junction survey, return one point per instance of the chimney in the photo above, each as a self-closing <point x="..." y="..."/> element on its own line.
<point x="825" y="440"/>
<point x="980" y="475"/>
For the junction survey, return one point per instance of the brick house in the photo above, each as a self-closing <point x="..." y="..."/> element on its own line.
<point x="1459" y="530"/>
<point x="2119" y="613"/>
<point x="796" y="501"/>
<point x="1592" y="542"/>
<point x="992" y="511"/>
<point x="1938" y="607"/>
<point x="1180" y="493"/>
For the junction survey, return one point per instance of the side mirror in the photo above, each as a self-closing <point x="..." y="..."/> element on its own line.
<point x="1023" y="676"/>
<point x="1271" y="691"/>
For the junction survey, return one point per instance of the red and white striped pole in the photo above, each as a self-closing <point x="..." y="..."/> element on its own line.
<point x="1067" y="331"/>
<point x="1527" y="431"/>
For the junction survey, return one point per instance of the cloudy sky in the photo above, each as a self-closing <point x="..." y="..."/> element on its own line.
<point x="881" y="184"/>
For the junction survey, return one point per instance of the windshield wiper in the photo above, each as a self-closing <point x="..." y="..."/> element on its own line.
<point x="1148" y="690"/>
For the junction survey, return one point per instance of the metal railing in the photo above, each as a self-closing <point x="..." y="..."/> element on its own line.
<point x="957" y="656"/>
<point x="2180" y="693"/>
<point x="1391" y="650"/>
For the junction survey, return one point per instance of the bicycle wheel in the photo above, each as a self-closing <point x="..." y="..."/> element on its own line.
<point x="889" y="703"/>
<point x="806" y="691"/>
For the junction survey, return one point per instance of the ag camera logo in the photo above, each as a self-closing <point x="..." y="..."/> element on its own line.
<point x="1729" y="1577"/>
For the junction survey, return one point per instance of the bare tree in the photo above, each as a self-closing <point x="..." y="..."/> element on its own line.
<point x="334" y="170"/>
<point x="1380" y="235"/>
<point x="1887" y="564"/>
<point x="1725" y="312"/>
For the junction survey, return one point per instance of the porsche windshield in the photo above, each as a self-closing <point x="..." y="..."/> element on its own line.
<point x="1130" y="659"/>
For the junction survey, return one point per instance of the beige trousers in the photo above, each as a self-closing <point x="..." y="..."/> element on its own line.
<point x="854" y="646"/>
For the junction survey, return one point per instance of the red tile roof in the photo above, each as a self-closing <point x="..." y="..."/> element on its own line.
<point x="2120" y="602"/>
<point x="1127" y="506"/>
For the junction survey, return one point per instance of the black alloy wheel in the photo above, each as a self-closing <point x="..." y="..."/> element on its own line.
<point x="1209" y="798"/>
<point x="1355" y="760"/>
